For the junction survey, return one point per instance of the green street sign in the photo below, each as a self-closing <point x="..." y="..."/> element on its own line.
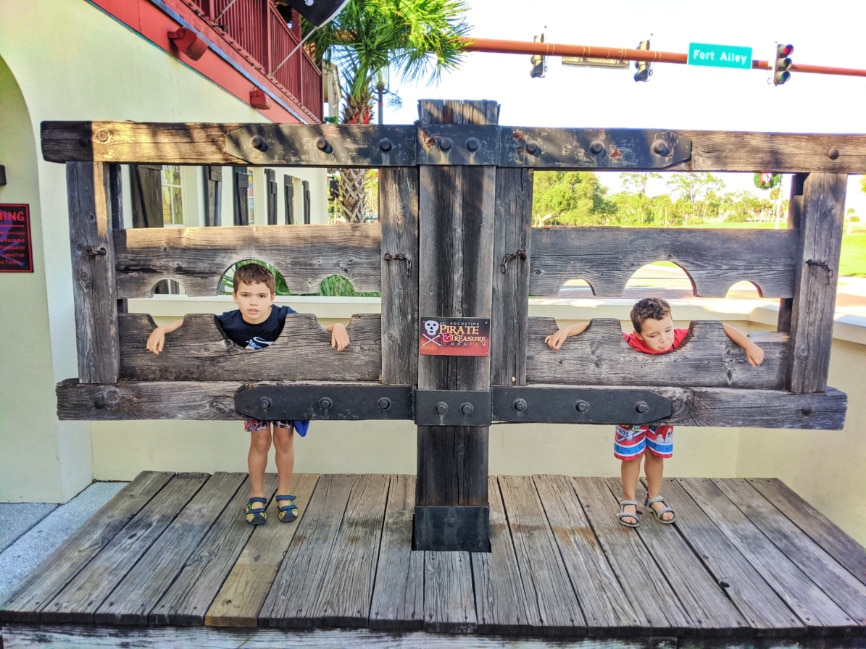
<point x="720" y="56"/>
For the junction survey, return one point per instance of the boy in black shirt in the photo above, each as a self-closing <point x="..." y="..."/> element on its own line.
<point x="255" y="324"/>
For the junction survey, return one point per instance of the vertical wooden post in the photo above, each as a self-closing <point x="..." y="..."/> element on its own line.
<point x="455" y="268"/>
<point x="512" y="242"/>
<point x="821" y="221"/>
<point x="398" y="218"/>
<point x="93" y="276"/>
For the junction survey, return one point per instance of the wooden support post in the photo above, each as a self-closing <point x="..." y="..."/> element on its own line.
<point x="455" y="267"/>
<point x="398" y="218"/>
<point x="93" y="274"/>
<point x="512" y="241"/>
<point x="821" y="216"/>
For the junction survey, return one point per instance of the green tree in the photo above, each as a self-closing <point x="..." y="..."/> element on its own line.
<point x="570" y="198"/>
<point x="415" y="39"/>
<point x="690" y="188"/>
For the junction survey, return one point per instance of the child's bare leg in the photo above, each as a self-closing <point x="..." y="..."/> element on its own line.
<point x="654" y="467"/>
<point x="629" y="475"/>
<point x="284" y="444"/>
<point x="257" y="461"/>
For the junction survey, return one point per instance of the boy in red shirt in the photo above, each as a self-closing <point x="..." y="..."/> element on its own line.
<point x="654" y="333"/>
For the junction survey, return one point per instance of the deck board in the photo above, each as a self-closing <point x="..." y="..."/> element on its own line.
<point x="152" y="575"/>
<point x="189" y="597"/>
<point x="835" y="581"/>
<point x="745" y="559"/>
<point x="803" y="597"/>
<point x="241" y="596"/>
<point x="79" y="600"/>
<point x="705" y="602"/>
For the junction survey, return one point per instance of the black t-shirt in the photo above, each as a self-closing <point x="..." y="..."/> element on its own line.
<point x="256" y="336"/>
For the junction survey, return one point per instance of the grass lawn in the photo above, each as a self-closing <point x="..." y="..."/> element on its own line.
<point x="852" y="260"/>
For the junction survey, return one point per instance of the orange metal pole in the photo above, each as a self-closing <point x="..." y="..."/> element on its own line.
<point x="624" y="54"/>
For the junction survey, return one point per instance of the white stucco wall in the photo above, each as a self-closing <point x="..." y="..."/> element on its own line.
<point x="70" y="61"/>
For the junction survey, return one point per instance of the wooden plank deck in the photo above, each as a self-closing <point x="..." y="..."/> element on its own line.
<point x="747" y="560"/>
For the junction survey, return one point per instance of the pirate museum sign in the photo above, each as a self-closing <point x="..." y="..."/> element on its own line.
<point x="455" y="336"/>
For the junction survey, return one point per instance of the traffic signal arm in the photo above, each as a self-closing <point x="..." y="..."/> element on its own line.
<point x="624" y="54"/>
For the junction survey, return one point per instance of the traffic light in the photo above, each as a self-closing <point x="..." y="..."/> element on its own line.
<point x="643" y="67"/>
<point x="538" y="65"/>
<point x="782" y="64"/>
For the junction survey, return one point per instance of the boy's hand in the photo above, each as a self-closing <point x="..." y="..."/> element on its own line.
<point x="339" y="337"/>
<point x="555" y="340"/>
<point x="754" y="354"/>
<point x="156" y="340"/>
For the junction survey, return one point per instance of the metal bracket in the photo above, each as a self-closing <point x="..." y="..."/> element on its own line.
<point x="440" y="528"/>
<point x="323" y="145"/>
<point x="458" y="144"/>
<point x="593" y="148"/>
<point x="452" y="408"/>
<point x="525" y="404"/>
<point x="325" y="401"/>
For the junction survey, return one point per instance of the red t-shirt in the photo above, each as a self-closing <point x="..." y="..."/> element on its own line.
<point x="639" y="345"/>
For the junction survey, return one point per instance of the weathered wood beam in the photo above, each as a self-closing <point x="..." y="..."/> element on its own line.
<point x="215" y="400"/>
<point x="93" y="274"/>
<point x="199" y="351"/>
<point x="512" y="249"/>
<point x="332" y="145"/>
<point x="714" y="260"/>
<point x="197" y="258"/>
<point x="398" y="219"/>
<point x="817" y="273"/>
<point x="600" y="356"/>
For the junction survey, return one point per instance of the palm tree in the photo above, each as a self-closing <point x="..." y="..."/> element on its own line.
<point x="415" y="39"/>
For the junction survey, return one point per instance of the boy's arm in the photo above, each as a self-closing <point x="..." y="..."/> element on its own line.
<point x="555" y="340"/>
<point x="156" y="339"/>
<point x="754" y="354"/>
<point x="339" y="336"/>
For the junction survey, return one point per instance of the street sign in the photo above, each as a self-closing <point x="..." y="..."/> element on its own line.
<point x="720" y="56"/>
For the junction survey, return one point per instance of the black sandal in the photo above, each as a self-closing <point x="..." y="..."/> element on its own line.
<point x="256" y="515"/>
<point x="288" y="511"/>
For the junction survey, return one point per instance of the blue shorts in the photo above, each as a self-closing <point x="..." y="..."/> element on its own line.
<point x="631" y="442"/>
<point x="253" y="425"/>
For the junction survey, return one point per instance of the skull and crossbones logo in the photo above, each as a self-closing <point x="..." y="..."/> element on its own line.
<point x="431" y="333"/>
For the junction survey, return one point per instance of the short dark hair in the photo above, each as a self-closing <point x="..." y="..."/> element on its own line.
<point x="648" y="308"/>
<point x="254" y="274"/>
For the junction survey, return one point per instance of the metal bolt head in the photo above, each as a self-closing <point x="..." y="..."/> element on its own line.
<point x="265" y="403"/>
<point x="520" y="405"/>
<point x="641" y="407"/>
<point x="833" y="153"/>
<point x="472" y="144"/>
<point x="661" y="148"/>
<point x="384" y="403"/>
<point x="258" y="143"/>
<point x="445" y="143"/>
<point x="325" y="403"/>
<point x="441" y="408"/>
<point x="596" y="147"/>
<point x="581" y="406"/>
<point x="467" y="408"/>
<point x="532" y="148"/>
<point x="385" y="145"/>
<point x="323" y="145"/>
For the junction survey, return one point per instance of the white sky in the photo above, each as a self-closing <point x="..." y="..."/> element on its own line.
<point x="826" y="33"/>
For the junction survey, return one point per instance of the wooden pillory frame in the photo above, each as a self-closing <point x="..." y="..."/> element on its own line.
<point x="454" y="240"/>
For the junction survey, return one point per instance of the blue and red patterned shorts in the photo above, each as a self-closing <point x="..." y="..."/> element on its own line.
<point x="632" y="441"/>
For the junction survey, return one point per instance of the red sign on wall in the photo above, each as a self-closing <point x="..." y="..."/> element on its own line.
<point x="455" y="336"/>
<point x="16" y="253"/>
